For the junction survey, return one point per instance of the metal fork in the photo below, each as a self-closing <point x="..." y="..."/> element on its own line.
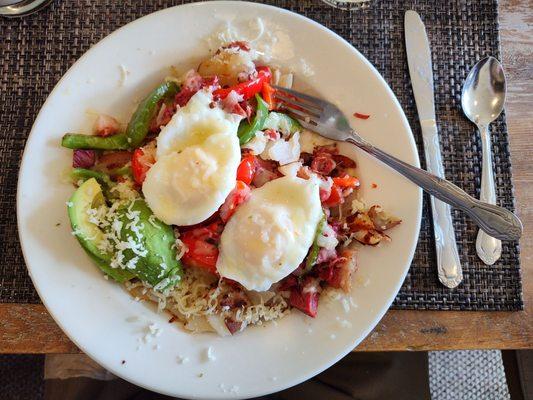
<point x="327" y="120"/>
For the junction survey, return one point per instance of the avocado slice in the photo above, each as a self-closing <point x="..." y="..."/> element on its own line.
<point x="159" y="266"/>
<point x="89" y="195"/>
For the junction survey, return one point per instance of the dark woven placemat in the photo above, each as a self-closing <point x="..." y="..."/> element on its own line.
<point x="37" y="50"/>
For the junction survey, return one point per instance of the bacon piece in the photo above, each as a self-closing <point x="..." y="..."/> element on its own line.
<point x="323" y="164"/>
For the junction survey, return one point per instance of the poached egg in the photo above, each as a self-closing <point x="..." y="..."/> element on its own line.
<point x="269" y="236"/>
<point x="197" y="157"/>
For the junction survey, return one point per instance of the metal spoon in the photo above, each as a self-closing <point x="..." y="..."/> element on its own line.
<point x="21" y="8"/>
<point x="482" y="101"/>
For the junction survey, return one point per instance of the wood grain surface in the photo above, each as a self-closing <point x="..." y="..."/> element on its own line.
<point x="30" y="329"/>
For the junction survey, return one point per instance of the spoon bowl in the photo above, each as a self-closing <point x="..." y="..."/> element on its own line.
<point x="482" y="100"/>
<point x="483" y="94"/>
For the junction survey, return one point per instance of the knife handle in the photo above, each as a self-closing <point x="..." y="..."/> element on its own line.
<point x="448" y="262"/>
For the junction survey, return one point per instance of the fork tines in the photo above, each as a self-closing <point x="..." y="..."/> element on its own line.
<point x="299" y="105"/>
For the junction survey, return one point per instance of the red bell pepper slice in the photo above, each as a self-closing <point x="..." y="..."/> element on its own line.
<point x="141" y="162"/>
<point x="267" y="93"/>
<point x="346" y="181"/>
<point x="249" y="88"/>
<point x="246" y="169"/>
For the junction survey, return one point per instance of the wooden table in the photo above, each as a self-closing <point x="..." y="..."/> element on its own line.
<point x="30" y="329"/>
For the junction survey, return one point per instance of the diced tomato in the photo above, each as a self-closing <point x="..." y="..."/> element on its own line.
<point x="249" y="88"/>
<point x="236" y="197"/>
<point x="305" y="302"/>
<point x="202" y="247"/>
<point x="142" y="160"/>
<point x="335" y="198"/>
<point x="246" y="170"/>
<point x="267" y="92"/>
<point x="346" y="181"/>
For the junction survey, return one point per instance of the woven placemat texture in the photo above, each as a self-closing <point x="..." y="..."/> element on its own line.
<point x="37" y="50"/>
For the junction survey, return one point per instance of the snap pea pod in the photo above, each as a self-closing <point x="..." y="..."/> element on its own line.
<point x="140" y="121"/>
<point x="312" y="257"/>
<point x="246" y="131"/>
<point x="79" y="141"/>
<point x="135" y="132"/>
<point x="282" y="123"/>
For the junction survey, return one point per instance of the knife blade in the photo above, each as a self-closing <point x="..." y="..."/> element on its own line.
<point x="421" y="73"/>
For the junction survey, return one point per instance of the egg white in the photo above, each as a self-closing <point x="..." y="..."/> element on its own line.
<point x="196" y="164"/>
<point x="269" y="236"/>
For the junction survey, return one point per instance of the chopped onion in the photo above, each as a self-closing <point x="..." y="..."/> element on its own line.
<point x="283" y="151"/>
<point x="257" y="144"/>
<point x="83" y="158"/>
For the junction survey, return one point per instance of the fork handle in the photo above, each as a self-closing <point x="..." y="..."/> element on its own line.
<point x="494" y="220"/>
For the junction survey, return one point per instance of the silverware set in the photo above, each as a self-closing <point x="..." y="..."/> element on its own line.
<point x="482" y="100"/>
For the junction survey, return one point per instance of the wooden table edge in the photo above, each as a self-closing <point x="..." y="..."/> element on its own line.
<point x="29" y="328"/>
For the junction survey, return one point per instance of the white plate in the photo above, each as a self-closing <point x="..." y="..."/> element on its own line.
<point x="94" y="312"/>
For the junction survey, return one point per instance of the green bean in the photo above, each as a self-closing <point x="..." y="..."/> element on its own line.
<point x="247" y="130"/>
<point x="140" y="121"/>
<point x="312" y="257"/>
<point x="282" y="123"/>
<point x="82" y="174"/>
<point x="78" y="141"/>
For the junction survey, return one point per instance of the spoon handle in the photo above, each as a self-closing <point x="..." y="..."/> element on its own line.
<point x="489" y="249"/>
<point x="495" y="220"/>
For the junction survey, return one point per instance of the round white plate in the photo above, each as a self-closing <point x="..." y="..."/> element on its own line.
<point x="100" y="317"/>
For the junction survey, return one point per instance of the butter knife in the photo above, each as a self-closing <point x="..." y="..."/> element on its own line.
<point x="421" y="72"/>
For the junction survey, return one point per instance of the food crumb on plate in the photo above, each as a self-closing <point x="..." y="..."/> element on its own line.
<point x="182" y="359"/>
<point x="229" y="389"/>
<point x="333" y="336"/>
<point x="209" y="355"/>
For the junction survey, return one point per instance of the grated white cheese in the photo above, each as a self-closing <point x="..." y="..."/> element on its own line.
<point x="123" y="75"/>
<point x="283" y="151"/>
<point x="209" y="355"/>
<point x="257" y="144"/>
<point x="327" y="238"/>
